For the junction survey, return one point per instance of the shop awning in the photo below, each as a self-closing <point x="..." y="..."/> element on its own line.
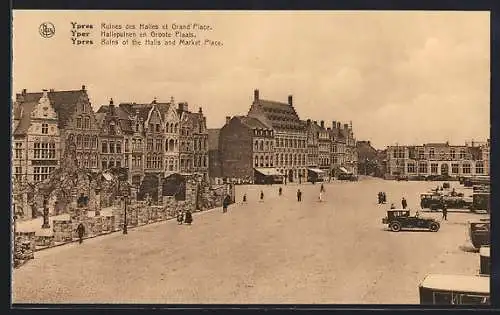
<point x="343" y="169"/>
<point x="107" y="176"/>
<point x="316" y="170"/>
<point x="269" y="171"/>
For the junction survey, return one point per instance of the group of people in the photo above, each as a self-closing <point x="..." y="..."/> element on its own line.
<point x="184" y="217"/>
<point x="382" y="198"/>
<point x="280" y="193"/>
<point x="404" y="205"/>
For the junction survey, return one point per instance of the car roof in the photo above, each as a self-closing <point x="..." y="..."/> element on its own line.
<point x="460" y="283"/>
<point x="484" y="251"/>
<point x="394" y="210"/>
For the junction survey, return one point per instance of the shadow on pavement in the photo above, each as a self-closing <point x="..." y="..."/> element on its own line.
<point x="468" y="248"/>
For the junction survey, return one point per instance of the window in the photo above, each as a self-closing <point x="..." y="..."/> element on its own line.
<point x="86" y="123"/>
<point x="479" y="167"/>
<point x="127" y="148"/>
<point x="79" y="122"/>
<point x="125" y="161"/>
<point x="452" y="154"/>
<point x="150" y="145"/>
<point x="431" y="153"/>
<point x="159" y="145"/>
<point x="256" y="146"/>
<point x="86" y="141"/>
<point x="261" y="159"/>
<point x="104" y="164"/>
<point x="44" y="150"/>
<point x="411" y="167"/>
<point x="18" y="170"/>
<point x="118" y="163"/>
<point x="104" y="147"/>
<point x="45" y="128"/>
<point x="94" y="142"/>
<point x="42" y="172"/>
<point x="454" y="168"/>
<point x="434" y="168"/>
<point x="118" y="147"/>
<point x="111" y="163"/>
<point x="111" y="147"/>
<point x="466" y="168"/>
<point x="79" y="141"/>
<point x="136" y="127"/>
<point x="462" y="154"/>
<point x="18" y="150"/>
<point x="93" y="161"/>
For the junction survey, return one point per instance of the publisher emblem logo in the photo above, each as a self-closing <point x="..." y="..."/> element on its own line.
<point x="47" y="30"/>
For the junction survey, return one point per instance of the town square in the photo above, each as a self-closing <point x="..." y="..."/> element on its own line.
<point x="352" y="169"/>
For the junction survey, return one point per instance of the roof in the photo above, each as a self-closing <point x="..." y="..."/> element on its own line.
<point x="282" y="116"/>
<point x="316" y="170"/>
<point x="268" y="171"/>
<point x="253" y="123"/>
<point x="213" y="139"/>
<point x="120" y="113"/>
<point x="142" y="110"/>
<point x="458" y="283"/>
<point x="439" y="144"/>
<point x="63" y="102"/>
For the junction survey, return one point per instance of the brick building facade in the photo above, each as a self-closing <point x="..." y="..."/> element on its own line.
<point x="439" y="159"/>
<point x="290" y="135"/>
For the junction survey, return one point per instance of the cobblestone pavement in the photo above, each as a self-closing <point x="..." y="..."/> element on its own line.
<point x="276" y="251"/>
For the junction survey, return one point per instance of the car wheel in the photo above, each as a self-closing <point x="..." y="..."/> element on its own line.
<point x="395" y="226"/>
<point x="434" y="227"/>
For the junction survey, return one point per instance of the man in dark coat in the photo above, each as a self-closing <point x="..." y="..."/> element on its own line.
<point x="280" y="191"/>
<point x="261" y="195"/>
<point x="81" y="232"/>
<point x="322" y="189"/>
<point x="445" y="212"/>
<point x="404" y="204"/>
<point x="299" y="195"/>
<point x="188" y="217"/>
<point x="225" y="204"/>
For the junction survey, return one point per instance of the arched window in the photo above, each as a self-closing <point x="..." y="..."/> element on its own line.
<point x="171" y="145"/>
<point x="171" y="127"/>
<point x="256" y="161"/>
<point x="261" y="161"/>
<point x="261" y="145"/>
<point x="94" y="142"/>
<point x="256" y="145"/>
<point x="111" y="163"/>
<point x="166" y="145"/>
<point x="176" y="128"/>
<point x="79" y="141"/>
<point x="104" y="163"/>
<point x="86" y="141"/>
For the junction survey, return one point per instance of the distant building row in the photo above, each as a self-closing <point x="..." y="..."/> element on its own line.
<point x="156" y="138"/>
<point x="439" y="159"/>
<point x="272" y="143"/>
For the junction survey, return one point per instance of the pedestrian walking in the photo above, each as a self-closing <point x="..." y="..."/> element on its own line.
<point x="225" y="203"/>
<point x="244" y="198"/>
<point x="320" y="196"/>
<point x="445" y="212"/>
<point x="322" y="189"/>
<point x="188" y="217"/>
<point x="404" y="204"/>
<point x="379" y="196"/>
<point x="384" y="197"/>
<point x="299" y="195"/>
<point x="280" y="191"/>
<point x="261" y="196"/>
<point x="81" y="232"/>
<point x="180" y="217"/>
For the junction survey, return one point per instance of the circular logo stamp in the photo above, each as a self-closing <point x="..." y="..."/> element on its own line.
<point x="47" y="29"/>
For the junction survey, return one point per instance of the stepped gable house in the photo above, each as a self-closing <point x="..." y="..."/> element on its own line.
<point x="75" y="122"/>
<point x="247" y="150"/>
<point x="193" y="140"/>
<point x="115" y="133"/>
<point x="318" y="149"/>
<point x="290" y="135"/>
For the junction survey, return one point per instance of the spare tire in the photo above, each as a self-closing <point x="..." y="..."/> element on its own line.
<point x="434" y="227"/>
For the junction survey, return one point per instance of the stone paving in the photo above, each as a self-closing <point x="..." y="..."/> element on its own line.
<point x="275" y="251"/>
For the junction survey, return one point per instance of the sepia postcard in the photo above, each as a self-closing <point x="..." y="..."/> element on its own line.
<point x="250" y="157"/>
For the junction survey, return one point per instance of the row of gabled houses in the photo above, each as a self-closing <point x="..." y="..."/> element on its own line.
<point x="157" y="138"/>
<point x="271" y="143"/>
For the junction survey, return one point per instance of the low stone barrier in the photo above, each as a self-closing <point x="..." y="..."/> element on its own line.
<point x="44" y="240"/>
<point x="24" y="247"/>
<point x="63" y="230"/>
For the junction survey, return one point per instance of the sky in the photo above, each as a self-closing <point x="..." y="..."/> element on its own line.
<point x="400" y="77"/>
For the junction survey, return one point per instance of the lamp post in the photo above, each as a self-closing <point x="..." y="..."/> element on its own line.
<point x="125" y="223"/>
<point x="97" y="202"/>
<point x="45" y="224"/>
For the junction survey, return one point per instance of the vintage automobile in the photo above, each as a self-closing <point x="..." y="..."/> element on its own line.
<point x="481" y="201"/>
<point x="347" y="176"/>
<point x="398" y="219"/>
<point x="484" y="260"/>
<point x="432" y="201"/>
<point x="439" y="289"/>
<point x="456" y="202"/>
<point x="479" y="233"/>
<point x="402" y="178"/>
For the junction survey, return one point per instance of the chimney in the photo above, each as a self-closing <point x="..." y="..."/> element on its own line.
<point x="52" y="90"/>
<point x="322" y="123"/>
<point x="83" y="87"/>
<point x="200" y="111"/>
<point x="255" y="95"/>
<point x="290" y="100"/>
<point x="154" y="100"/>
<point x="334" y="124"/>
<point x="181" y="106"/>
<point x="24" y="92"/>
<point x="308" y="122"/>
<point x="228" y="118"/>
<point x="338" y="125"/>
<point x="346" y="126"/>
<point x="315" y="122"/>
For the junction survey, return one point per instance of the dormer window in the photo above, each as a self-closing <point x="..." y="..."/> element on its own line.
<point x="45" y="128"/>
